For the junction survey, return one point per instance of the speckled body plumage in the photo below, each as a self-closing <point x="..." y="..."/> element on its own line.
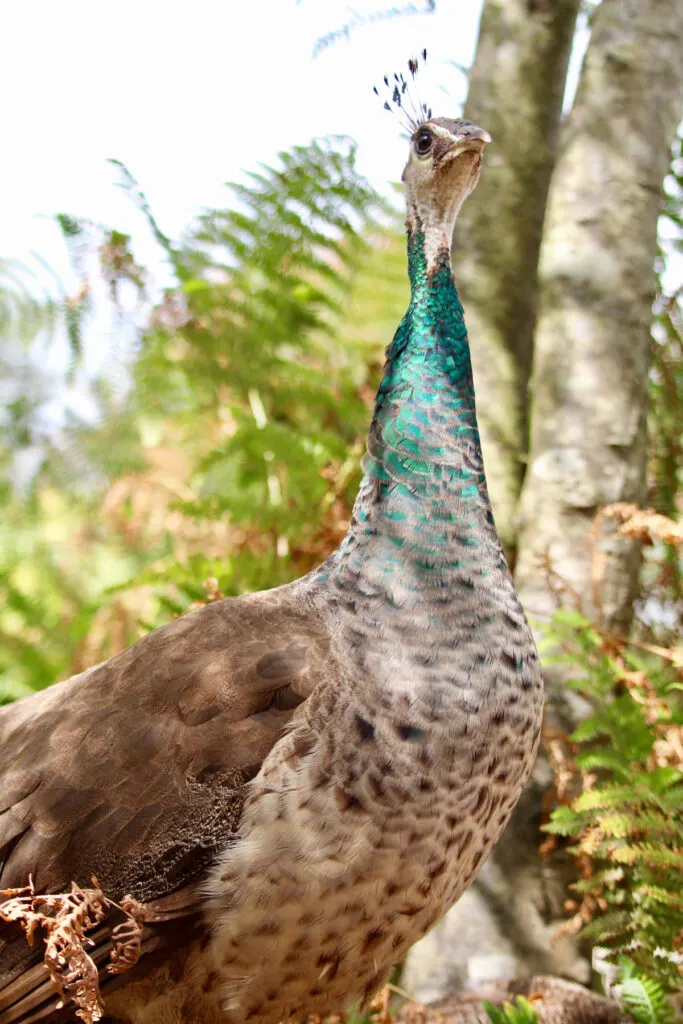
<point x="423" y="698"/>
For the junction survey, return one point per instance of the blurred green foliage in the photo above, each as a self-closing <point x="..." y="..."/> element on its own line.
<point x="519" y="1012"/>
<point x="234" y="452"/>
<point x="620" y="790"/>
<point x="642" y="997"/>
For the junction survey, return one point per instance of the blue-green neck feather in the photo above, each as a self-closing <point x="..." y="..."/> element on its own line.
<point x="423" y="509"/>
<point x="427" y="380"/>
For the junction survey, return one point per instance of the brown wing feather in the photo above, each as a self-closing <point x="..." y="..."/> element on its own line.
<point x="134" y="770"/>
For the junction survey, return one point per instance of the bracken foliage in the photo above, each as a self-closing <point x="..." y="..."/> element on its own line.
<point x="519" y="1012"/>
<point x="619" y="783"/>
<point x="233" y="450"/>
<point x="643" y="998"/>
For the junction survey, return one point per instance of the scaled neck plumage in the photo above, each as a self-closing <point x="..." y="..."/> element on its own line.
<point x="422" y="512"/>
<point x="422" y="523"/>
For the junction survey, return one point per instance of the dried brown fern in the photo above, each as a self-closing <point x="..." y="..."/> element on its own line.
<point x="127" y="937"/>
<point x="66" y="918"/>
<point x="644" y="524"/>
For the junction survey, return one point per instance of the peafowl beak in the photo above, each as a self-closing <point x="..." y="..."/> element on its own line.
<point x="469" y="138"/>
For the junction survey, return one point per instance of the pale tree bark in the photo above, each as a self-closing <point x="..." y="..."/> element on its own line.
<point x="588" y="433"/>
<point x="516" y="89"/>
<point x="587" y="437"/>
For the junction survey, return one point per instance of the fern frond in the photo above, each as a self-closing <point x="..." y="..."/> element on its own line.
<point x="653" y="856"/>
<point x="565" y="821"/>
<point x="605" y="760"/>
<point x="604" y="798"/>
<point x="616" y="826"/>
<point x="614" y="924"/>
<point x="519" y="1012"/>
<point x="644" y="999"/>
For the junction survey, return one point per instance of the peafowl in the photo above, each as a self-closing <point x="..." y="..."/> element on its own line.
<point x="295" y="784"/>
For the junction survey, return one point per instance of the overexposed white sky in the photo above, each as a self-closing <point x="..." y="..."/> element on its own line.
<point x="188" y="95"/>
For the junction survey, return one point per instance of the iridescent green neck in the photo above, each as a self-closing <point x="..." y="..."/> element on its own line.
<point x="423" y="505"/>
<point x="425" y="409"/>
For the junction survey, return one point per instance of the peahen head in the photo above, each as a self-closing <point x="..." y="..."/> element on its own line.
<point x="444" y="163"/>
<point x="442" y="169"/>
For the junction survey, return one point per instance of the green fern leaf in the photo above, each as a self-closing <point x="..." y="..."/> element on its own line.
<point x="644" y="999"/>
<point x="519" y="1012"/>
<point x="604" y="798"/>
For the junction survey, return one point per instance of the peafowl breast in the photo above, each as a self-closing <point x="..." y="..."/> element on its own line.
<point x="297" y="784"/>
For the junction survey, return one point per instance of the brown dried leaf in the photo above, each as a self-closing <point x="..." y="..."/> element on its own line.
<point x="19" y="910"/>
<point x="127" y="937"/>
<point x="644" y="524"/>
<point x="73" y="973"/>
<point x="66" y="918"/>
<point x="667" y="750"/>
<point x="21" y="891"/>
<point x="591" y="840"/>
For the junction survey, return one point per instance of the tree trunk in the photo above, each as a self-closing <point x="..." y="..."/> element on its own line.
<point x="516" y="89"/>
<point x="588" y="435"/>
